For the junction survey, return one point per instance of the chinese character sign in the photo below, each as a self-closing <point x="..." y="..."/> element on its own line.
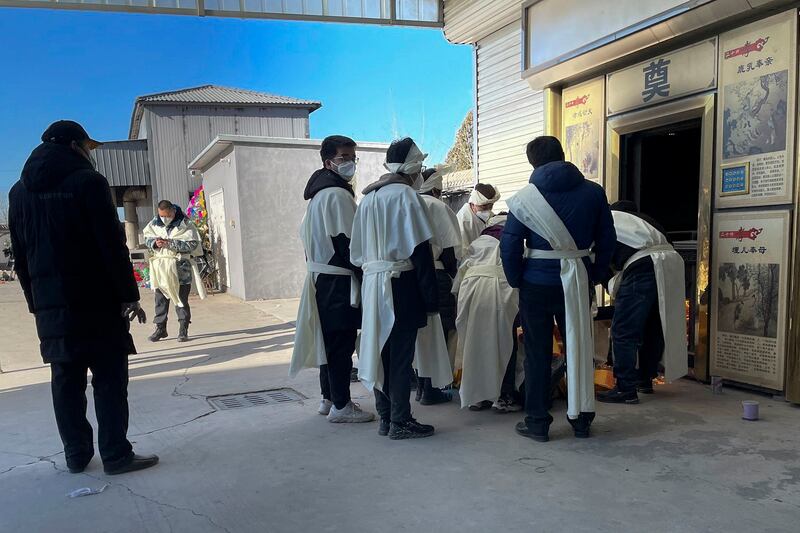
<point x="656" y="79"/>
<point x="749" y="317"/>
<point x="582" y="127"/>
<point x="756" y="112"/>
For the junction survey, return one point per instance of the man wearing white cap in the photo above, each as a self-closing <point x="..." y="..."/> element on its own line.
<point x="432" y="355"/>
<point x="473" y="216"/>
<point x="390" y="243"/>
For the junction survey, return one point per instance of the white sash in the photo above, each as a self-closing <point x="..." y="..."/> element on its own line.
<point x="485" y="271"/>
<point x="532" y="209"/>
<point x="309" y="343"/>
<point x="377" y="295"/>
<point x="670" y="275"/>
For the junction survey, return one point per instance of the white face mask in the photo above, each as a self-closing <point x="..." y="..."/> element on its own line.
<point x="346" y="170"/>
<point x="484" y="215"/>
<point x="167" y="220"/>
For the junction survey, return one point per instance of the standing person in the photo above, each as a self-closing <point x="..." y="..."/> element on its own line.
<point x="329" y="315"/>
<point x="432" y="353"/>
<point x="486" y="323"/>
<point x="78" y="331"/>
<point x="473" y="216"/>
<point x="391" y="243"/>
<point x="174" y="241"/>
<point x="649" y="314"/>
<point x="545" y="250"/>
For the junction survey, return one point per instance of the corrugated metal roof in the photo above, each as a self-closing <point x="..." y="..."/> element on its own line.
<point x="458" y="180"/>
<point x="124" y="163"/>
<point x="468" y="21"/>
<point x="215" y="94"/>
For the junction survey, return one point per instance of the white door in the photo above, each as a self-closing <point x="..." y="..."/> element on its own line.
<point x="219" y="239"/>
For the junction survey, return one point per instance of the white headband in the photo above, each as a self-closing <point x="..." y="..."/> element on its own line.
<point x="436" y="180"/>
<point x="411" y="166"/>
<point x="475" y="197"/>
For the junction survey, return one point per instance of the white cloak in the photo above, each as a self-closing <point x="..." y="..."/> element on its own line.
<point x="432" y="359"/>
<point x="329" y="213"/>
<point x="164" y="262"/>
<point x="670" y="279"/>
<point x="469" y="225"/>
<point x="487" y="307"/>
<point x="389" y="223"/>
<point x="532" y="209"/>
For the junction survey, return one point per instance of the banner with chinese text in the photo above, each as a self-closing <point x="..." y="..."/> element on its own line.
<point x="751" y="268"/>
<point x="755" y="146"/>
<point x="582" y="125"/>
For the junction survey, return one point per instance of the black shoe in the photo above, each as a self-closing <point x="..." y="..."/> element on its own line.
<point x="482" y="406"/>
<point x="383" y="427"/>
<point x="410" y="430"/>
<point x="77" y="467"/>
<point x="433" y="396"/>
<point x="539" y="435"/>
<point x="420" y="388"/>
<point x="617" y="396"/>
<point x="645" y="387"/>
<point x="354" y="375"/>
<point x="158" y="334"/>
<point x="137" y="462"/>
<point x="183" y="332"/>
<point x="581" y="425"/>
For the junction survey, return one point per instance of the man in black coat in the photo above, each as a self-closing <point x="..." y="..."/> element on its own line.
<point x="74" y="268"/>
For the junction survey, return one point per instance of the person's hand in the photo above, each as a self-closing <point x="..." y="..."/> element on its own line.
<point x="161" y="243"/>
<point x="133" y="310"/>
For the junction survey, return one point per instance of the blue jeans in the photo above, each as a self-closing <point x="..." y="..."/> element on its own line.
<point x="636" y="329"/>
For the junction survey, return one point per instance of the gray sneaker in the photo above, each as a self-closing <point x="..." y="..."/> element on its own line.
<point x="349" y="414"/>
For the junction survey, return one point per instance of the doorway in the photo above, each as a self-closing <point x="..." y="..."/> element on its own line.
<point x="661" y="158"/>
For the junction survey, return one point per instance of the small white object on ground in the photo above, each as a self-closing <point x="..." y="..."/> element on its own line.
<point x="87" y="491"/>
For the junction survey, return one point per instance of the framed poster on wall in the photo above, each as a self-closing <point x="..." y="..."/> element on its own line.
<point x="582" y="127"/>
<point x="749" y="320"/>
<point x="755" y="115"/>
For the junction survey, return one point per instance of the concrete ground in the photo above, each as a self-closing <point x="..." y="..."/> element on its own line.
<point x="682" y="460"/>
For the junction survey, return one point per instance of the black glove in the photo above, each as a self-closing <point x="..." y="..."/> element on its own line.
<point x="134" y="310"/>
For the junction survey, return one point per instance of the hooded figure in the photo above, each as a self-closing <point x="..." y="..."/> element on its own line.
<point x="329" y="314"/>
<point x="174" y="242"/>
<point x="432" y="360"/>
<point x="649" y="315"/>
<point x="473" y="216"/>
<point x="391" y="244"/>
<point x="552" y="225"/>
<point x="76" y="274"/>
<point x="487" y="311"/>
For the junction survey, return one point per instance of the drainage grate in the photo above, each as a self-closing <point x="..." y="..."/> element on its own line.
<point x="255" y="398"/>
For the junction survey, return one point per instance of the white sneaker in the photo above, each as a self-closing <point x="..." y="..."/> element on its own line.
<point x="349" y="414"/>
<point x="325" y="407"/>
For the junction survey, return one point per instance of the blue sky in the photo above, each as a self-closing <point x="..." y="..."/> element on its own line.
<point x="375" y="83"/>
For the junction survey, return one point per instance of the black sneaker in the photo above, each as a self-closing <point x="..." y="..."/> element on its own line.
<point x="420" y="388"/>
<point x="136" y="462"/>
<point x="158" y="334"/>
<point x="645" y="387"/>
<point x="354" y="375"/>
<point x="481" y="406"/>
<point x="433" y="396"/>
<point x="540" y="435"/>
<point x="410" y="430"/>
<point x="617" y="396"/>
<point x="383" y="427"/>
<point x="582" y="425"/>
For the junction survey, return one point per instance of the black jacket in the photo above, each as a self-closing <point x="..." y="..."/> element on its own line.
<point x="71" y="258"/>
<point x="623" y="252"/>
<point x="333" y="292"/>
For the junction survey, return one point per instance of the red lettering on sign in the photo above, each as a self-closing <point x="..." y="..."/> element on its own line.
<point x="742" y="234"/>
<point x="746" y="48"/>
<point x="581" y="100"/>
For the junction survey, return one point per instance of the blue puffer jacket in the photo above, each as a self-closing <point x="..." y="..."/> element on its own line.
<point x="582" y="206"/>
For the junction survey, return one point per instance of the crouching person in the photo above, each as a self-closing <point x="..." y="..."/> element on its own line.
<point x="174" y="241"/>
<point x="487" y="309"/>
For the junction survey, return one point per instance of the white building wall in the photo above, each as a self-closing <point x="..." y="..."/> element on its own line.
<point x="509" y="113"/>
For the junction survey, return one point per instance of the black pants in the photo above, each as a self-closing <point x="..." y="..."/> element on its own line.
<point x="636" y="329"/>
<point x="162" y="306"/>
<point x="334" y="378"/>
<point x="508" y="388"/>
<point x="110" y="386"/>
<point x="540" y="306"/>
<point x="393" y="403"/>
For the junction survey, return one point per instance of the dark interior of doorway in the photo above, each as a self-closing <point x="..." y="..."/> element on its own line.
<point x="660" y="173"/>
